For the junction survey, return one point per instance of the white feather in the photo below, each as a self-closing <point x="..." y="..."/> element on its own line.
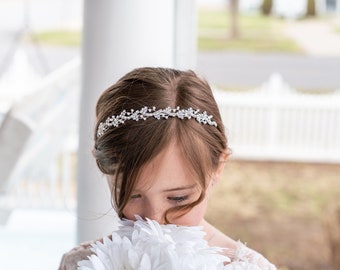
<point x="147" y="245"/>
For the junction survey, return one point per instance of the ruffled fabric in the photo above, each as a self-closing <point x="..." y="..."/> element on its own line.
<point x="146" y="245"/>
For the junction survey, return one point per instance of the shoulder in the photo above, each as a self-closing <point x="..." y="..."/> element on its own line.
<point x="70" y="259"/>
<point x="244" y="255"/>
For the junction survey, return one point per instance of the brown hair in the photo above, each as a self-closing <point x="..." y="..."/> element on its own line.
<point x="123" y="151"/>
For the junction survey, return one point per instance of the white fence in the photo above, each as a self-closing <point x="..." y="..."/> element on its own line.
<point x="275" y="122"/>
<point x="272" y="122"/>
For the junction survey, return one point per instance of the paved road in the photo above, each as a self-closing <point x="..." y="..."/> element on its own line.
<point x="231" y="69"/>
<point x="244" y="70"/>
<point x="239" y="70"/>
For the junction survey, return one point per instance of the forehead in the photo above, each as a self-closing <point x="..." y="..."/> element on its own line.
<point x="167" y="170"/>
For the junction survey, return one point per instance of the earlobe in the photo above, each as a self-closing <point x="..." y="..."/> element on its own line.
<point x="225" y="155"/>
<point x="223" y="158"/>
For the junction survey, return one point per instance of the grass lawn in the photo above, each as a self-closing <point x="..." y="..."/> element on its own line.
<point x="337" y="29"/>
<point x="59" y="38"/>
<point x="257" y="33"/>
<point x="280" y="209"/>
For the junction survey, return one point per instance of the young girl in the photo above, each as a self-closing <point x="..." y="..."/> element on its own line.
<point x="160" y="140"/>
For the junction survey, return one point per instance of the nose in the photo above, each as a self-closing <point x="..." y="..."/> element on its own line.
<point x="153" y="212"/>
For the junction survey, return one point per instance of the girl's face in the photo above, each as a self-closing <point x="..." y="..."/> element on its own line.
<point x="163" y="184"/>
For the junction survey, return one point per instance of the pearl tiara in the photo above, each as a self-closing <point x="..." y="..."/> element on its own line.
<point x="146" y="112"/>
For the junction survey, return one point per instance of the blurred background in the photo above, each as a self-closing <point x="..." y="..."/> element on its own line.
<point x="275" y="70"/>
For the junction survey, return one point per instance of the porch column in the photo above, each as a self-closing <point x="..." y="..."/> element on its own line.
<point x="117" y="37"/>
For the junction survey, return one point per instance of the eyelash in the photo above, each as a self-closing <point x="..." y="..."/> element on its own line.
<point x="175" y="199"/>
<point x="178" y="199"/>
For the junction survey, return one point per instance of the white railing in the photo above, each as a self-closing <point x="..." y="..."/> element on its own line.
<point x="271" y="122"/>
<point x="275" y="122"/>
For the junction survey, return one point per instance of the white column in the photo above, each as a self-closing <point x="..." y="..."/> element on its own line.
<point x="185" y="34"/>
<point x="117" y="37"/>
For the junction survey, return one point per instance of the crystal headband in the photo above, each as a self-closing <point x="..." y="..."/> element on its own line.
<point x="146" y="112"/>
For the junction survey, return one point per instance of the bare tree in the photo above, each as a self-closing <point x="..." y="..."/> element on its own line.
<point x="234" y="26"/>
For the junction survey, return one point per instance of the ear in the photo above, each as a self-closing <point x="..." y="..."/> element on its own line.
<point x="110" y="180"/>
<point x="221" y="164"/>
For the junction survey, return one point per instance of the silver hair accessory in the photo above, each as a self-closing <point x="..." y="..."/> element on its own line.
<point x="146" y="112"/>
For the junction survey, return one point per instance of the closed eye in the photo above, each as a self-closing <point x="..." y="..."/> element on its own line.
<point x="135" y="196"/>
<point x="178" y="199"/>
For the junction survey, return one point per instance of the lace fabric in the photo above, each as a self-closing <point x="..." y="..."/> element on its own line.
<point x="246" y="258"/>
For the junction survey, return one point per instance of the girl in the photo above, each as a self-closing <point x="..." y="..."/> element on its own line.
<point x="160" y="140"/>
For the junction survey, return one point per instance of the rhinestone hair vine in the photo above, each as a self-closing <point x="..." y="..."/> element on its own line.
<point x="146" y="112"/>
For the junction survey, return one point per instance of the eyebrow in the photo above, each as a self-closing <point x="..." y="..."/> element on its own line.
<point x="180" y="188"/>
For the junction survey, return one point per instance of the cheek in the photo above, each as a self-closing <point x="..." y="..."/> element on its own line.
<point x="194" y="217"/>
<point x="130" y="211"/>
